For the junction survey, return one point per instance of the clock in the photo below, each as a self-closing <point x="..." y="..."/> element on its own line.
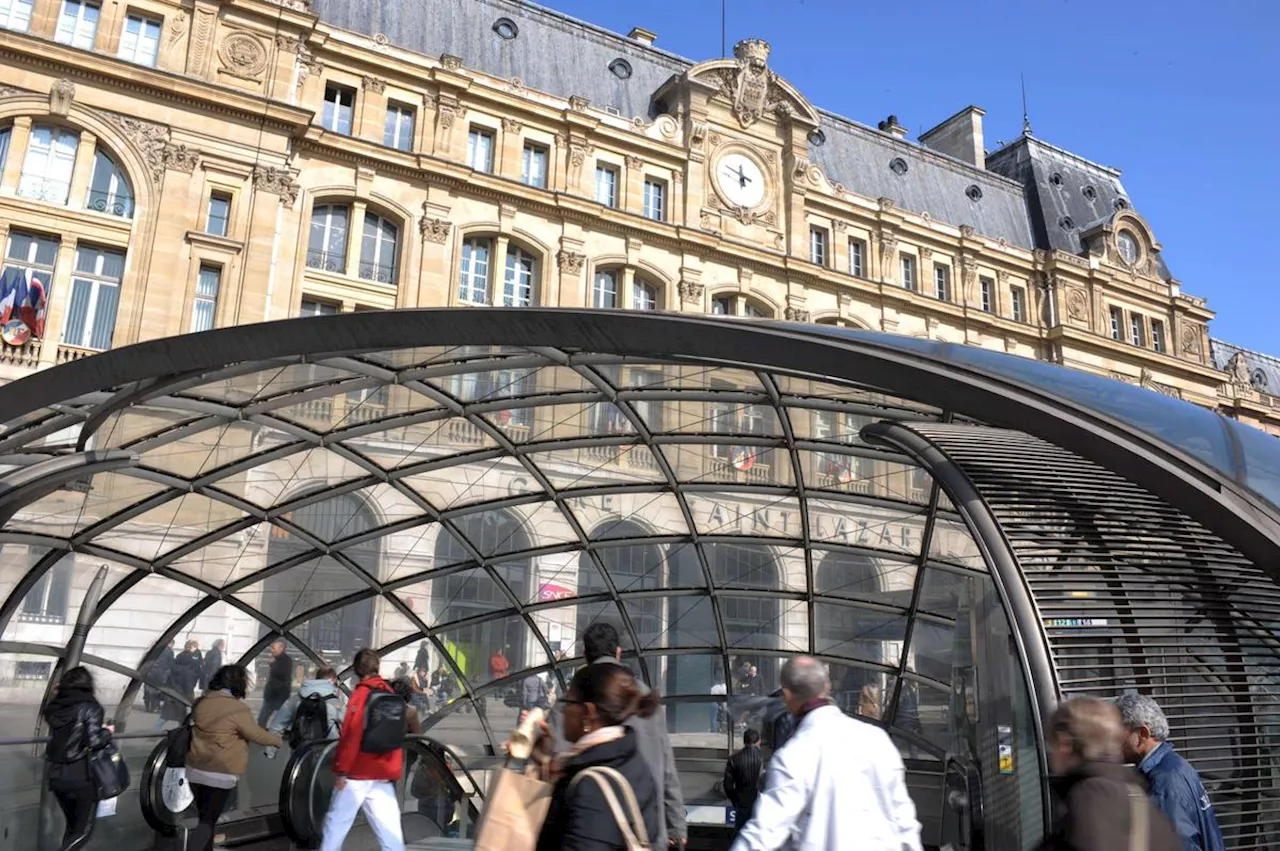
<point x="740" y="180"/>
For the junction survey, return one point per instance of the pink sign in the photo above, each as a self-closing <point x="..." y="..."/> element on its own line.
<point x="550" y="592"/>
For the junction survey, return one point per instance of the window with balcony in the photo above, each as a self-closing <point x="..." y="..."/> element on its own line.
<point x="378" y="249"/>
<point x="204" y="308"/>
<point x="818" y="246"/>
<point x="16" y="14"/>
<point x="518" y="279"/>
<point x="907" y="267"/>
<point x="836" y="469"/>
<point x="327" y="242"/>
<point x="604" y="290"/>
<point x="1137" y="330"/>
<point x="1117" y="322"/>
<point x="47" y="600"/>
<point x="533" y="170"/>
<point x="30" y="258"/>
<point x="607" y="185"/>
<point x="857" y="251"/>
<point x="739" y="305"/>
<point x="399" y="130"/>
<point x="655" y="199"/>
<point x="987" y="295"/>
<point x="218" y="218"/>
<point x="140" y="41"/>
<point x="95" y="295"/>
<point x="50" y="161"/>
<point x="1157" y="335"/>
<point x="77" y="23"/>
<point x="1018" y="303"/>
<point x="473" y="277"/>
<point x="942" y="282"/>
<point x="480" y="149"/>
<point x="109" y="190"/>
<point x="339" y="109"/>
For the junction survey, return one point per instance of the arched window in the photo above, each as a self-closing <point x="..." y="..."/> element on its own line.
<point x="482" y="256"/>
<point x="327" y="243"/>
<point x="732" y="304"/>
<point x="378" y="249"/>
<point x="109" y="190"/>
<point x="633" y="567"/>
<point x="95" y="295"/>
<point x="49" y="163"/>
<point x="621" y="287"/>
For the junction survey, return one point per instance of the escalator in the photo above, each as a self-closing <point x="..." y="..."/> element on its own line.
<point x="439" y="803"/>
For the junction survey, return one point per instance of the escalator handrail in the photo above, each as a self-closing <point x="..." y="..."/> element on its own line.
<point x="293" y="774"/>
<point x="423" y="746"/>
<point x="146" y="789"/>
<point x="457" y="760"/>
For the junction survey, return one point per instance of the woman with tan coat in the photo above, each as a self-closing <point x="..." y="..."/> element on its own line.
<point x="222" y="728"/>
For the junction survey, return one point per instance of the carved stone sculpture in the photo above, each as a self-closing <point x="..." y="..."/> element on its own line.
<point x="434" y="229"/>
<point x="243" y="56"/>
<point x="278" y="181"/>
<point x="691" y="292"/>
<point x="570" y="262"/>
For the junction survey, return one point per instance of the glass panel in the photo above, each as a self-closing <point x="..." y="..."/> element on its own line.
<point x="953" y="543"/>
<point x="865" y="526"/>
<point x="64" y="513"/>
<point x="855" y="633"/>
<point x="466" y="484"/>
<point x="460" y="595"/>
<point x="730" y="513"/>
<point x="598" y="465"/>
<point x="472" y="647"/>
<point x="689" y="622"/>
<point x="857" y="576"/>
<point x="932" y="647"/>
<point x="612" y="516"/>
<point x="169" y="526"/>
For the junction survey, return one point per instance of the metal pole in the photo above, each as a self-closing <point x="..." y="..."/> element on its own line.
<point x="70" y="658"/>
<point x="723" y="51"/>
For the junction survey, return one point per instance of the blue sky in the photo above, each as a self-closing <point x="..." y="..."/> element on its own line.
<point x="1183" y="96"/>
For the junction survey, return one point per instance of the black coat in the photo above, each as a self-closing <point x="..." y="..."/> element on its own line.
<point x="75" y="721"/>
<point x="1096" y="813"/>
<point x="581" y="820"/>
<point x="186" y="672"/>
<point x="743" y="777"/>
<point x="212" y="662"/>
<point x="279" y="679"/>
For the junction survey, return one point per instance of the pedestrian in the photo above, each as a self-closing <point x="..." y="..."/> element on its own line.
<point x="600" y="701"/>
<point x="600" y="645"/>
<point x="76" y="730"/>
<point x="368" y="760"/>
<point x="185" y="675"/>
<point x="313" y="714"/>
<point x="742" y="775"/>
<point x="1104" y="806"/>
<point x="422" y="662"/>
<point x="1175" y="786"/>
<point x="153" y="698"/>
<point x="403" y="686"/>
<point x="533" y="694"/>
<point x="222" y="728"/>
<point x="836" y="776"/>
<point x="212" y="661"/>
<point x="499" y="665"/>
<point x="279" y="683"/>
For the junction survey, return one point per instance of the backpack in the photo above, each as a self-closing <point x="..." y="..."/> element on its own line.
<point x="634" y="835"/>
<point x="385" y="722"/>
<point x="310" y="720"/>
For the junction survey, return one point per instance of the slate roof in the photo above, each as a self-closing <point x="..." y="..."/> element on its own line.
<point x="1264" y="370"/>
<point x="562" y="56"/>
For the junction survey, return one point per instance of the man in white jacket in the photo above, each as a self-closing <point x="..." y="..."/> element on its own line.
<point x="836" y="776"/>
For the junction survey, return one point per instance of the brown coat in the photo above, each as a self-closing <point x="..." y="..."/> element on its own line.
<point x="223" y="728"/>
<point x="1098" y="814"/>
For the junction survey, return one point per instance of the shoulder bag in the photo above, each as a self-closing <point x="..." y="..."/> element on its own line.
<point x="634" y="835"/>
<point x="1138" y="827"/>
<point x="110" y="774"/>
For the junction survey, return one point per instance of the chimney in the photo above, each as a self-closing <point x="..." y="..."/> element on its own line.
<point x="891" y="126"/>
<point x="642" y="35"/>
<point x="960" y="136"/>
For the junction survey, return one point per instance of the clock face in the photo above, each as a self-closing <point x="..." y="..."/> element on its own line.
<point x="740" y="180"/>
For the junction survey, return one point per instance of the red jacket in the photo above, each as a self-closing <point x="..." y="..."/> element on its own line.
<point x="351" y="762"/>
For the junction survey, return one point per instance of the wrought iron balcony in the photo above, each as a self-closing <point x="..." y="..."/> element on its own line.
<point x="111" y="203"/>
<point x="327" y="261"/>
<point x="382" y="273"/>
<point x="41" y="188"/>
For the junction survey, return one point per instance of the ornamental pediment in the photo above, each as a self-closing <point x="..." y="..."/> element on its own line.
<point x="751" y="89"/>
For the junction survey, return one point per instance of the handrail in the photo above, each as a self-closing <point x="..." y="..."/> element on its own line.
<point x="44" y="740"/>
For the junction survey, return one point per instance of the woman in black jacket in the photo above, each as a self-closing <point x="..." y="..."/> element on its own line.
<point x="599" y="700"/>
<point x="185" y="674"/>
<point x="76" y="730"/>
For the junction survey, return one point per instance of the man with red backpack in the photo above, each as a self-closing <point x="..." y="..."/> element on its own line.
<point x="368" y="760"/>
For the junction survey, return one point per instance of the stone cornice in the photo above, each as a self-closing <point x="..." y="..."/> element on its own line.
<point x="1118" y="352"/>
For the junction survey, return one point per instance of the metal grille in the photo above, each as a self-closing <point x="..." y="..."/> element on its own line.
<point x="1135" y="595"/>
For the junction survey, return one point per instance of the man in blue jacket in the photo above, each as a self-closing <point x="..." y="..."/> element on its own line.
<point x="1175" y="786"/>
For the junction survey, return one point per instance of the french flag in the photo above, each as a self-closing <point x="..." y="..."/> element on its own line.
<point x="10" y="281"/>
<point x="32" y="309"/>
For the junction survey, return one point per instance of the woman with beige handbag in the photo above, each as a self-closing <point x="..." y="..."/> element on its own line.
<point x="604" y="797"/>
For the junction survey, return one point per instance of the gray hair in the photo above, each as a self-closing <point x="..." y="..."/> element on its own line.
<point x="1138" y="710"/>
<point x="805" y="677"/>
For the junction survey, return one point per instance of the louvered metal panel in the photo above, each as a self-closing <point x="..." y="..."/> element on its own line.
<point x="1132" y="594"/>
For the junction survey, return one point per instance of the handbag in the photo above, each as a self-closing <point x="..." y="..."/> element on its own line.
<point x="515" y="808"/>
<point x="634" y="835"/>
<point x="109" y="772"/>
<point x="178" y="741"/>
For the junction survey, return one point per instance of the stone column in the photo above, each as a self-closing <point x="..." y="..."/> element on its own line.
<point x="82" y="174"/>
<point x="19" y="137"/>
<point x="372" y="119"/>
<point x="435" y="278"/>
<point x="633" y="187"/>
<point x="511" y="150"/>
<point x="498" y="272"/>
<point x="570" y="261"/>
<point x="44" y="18"/>
<point x="355" y="238"/>
<point x="200" y="45"/>
<point x="59" y="297"/>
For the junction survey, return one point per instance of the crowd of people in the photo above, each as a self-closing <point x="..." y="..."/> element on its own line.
<point x="818" y="774"/>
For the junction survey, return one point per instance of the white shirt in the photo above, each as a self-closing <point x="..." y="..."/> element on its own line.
<point x="836" y="776"/>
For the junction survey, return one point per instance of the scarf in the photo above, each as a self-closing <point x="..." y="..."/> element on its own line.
<point x="596" y="737"/>
<point x="817" y="703"/>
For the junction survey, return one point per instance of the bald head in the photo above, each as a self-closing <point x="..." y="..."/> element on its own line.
<point x="805" y="679"/>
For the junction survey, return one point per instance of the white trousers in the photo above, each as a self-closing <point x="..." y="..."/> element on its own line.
<point x="381" y="809"/>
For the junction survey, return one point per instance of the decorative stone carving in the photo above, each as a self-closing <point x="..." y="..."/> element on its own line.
<point x="177" y="26"/>
<point x="373" y="84"/>
<point x="1238" y="371"/>
<point x="838" y="188"/>
<point x="511" y="125"/>
<point x="288" y="44"/>
<point x="635" y="162"/>
<point x="151" y="139"/>
<point x="381" y="42"/>
<point x="451" y="62"/>
<point x="966" y="232"/>
<point x="61" y="93"/>
<point x="181" y="158"/>
<point x="434" y="229"/>
<point x="1002" y="277"/>
<point x="578" y="103"/>
<point x="677" y="177"/>
<point x="707" y="221"/>
<point x="562" y="138"/>
<point x="516" y="85"/>
<point x="295" y="5"/>
<point x="277" y="181"/>
<point x="243" y="56"/>
<point x="801" y="168"/>
<point x="307" y="65"/>
<point x="926" y="257"/>
<point x="447" y="109"/>
<point x="667" y="127"/>
<point x="201" y="41"/>
<point x="578" y="153"/>
<point x="750" y="84"/>
<point x="1190" y="340"/>
<point x="888" y="252"/>
<point x="697" y="135"/>
<point x="968" y="273"/>
<point x="1002" y="242"/>
<point x="796" y="314"/>
<point x="885" y="204"/>
<point x="570" y="262"/>
<point x="754" y="217"/>
<point x="1077" y="305"/>
<point x="840" y="226"/>
<point x="691" y="292"/>
<point x="11" y="91"/>
<point x="715" y="140"/>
